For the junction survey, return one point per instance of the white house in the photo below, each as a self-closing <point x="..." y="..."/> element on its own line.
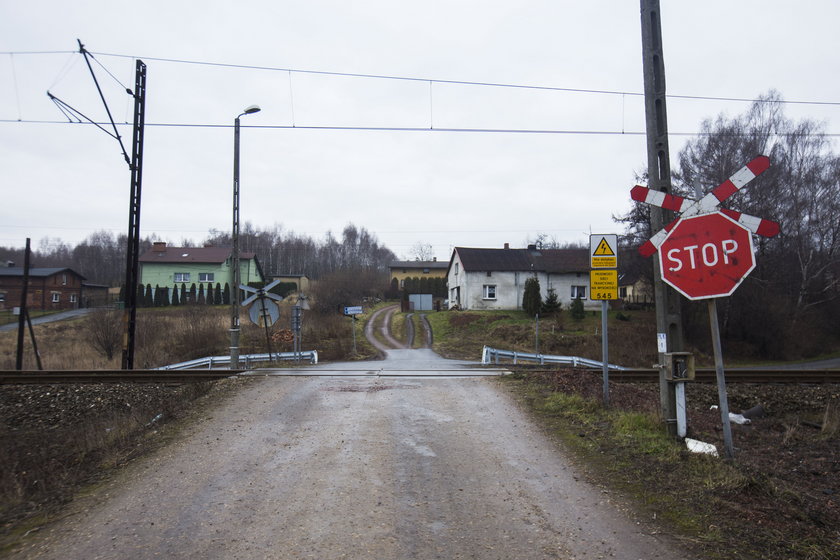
<point x="495" y="278"/>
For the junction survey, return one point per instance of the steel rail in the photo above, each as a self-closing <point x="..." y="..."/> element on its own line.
<point x="706" y="375"/>
<point x="640" y="375"/>
<point x="15" y="377"/>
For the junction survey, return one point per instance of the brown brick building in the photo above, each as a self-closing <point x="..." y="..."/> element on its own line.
<point x="50" y="289"/>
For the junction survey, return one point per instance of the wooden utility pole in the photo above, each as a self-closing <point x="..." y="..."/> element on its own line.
<point x="668" y="308"/>
<point x="24" y="295"/>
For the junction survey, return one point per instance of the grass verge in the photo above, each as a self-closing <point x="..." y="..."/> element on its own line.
<point x="716" y="509"/>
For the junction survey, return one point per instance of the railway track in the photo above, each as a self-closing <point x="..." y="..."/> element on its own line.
<point x="178" y="377"/>
<point x="7" y="377"/>
<point x="808" y="376"/>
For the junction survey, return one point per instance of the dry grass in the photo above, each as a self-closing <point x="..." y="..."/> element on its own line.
<point x="171" y="335"/>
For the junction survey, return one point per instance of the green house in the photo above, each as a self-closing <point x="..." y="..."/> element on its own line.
<point x="167" y="266"/>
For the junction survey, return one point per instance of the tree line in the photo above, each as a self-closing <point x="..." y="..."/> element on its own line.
<point x="100" y="258"/>
<point x="789" y="306"/>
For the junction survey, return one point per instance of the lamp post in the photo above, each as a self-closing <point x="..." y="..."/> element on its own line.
<point x="234" y="304"/>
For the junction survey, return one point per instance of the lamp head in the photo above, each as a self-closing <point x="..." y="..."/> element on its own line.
<point x="251" y="109"/>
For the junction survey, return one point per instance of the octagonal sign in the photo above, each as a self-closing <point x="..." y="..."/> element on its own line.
<point x="706" y="256"/>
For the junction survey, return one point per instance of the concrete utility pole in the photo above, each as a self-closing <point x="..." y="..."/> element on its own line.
<point x="235" y="292"/>
<point x="668" y="308"/>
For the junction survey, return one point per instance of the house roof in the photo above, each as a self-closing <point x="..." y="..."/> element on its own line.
<point x="418" y="264"/>
<point x="555" y="261"/>
<point x="171" y="255"/>
<point x="36" y="272"/>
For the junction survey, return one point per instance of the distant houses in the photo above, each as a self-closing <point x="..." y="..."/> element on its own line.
<point x="49" y="289"/>
<point x="166" y="266"/>
<point x="482" y="278"/>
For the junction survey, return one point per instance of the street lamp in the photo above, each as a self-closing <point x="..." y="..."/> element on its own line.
<point x="234" y="307"/>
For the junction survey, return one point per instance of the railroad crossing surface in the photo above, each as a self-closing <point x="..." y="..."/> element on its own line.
<point x="363" y="466"/>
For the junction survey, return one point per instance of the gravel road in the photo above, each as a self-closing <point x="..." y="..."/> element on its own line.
<point x="361" y="466"/>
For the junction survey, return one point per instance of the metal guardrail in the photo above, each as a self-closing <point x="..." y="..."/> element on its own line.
<point x="248" y="359"/>
<point x="493" y="355"/>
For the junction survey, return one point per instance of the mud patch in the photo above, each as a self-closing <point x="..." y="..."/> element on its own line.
<point x="365" y="388"/>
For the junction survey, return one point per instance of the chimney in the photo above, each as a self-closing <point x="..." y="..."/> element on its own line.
<point x="159" y="246"/>
<point x="434" y="259"/>
<point x="10" y="264"/>
<point x="507" y="245"/>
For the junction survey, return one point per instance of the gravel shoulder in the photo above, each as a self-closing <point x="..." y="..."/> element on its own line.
<point x="304" y="467"/>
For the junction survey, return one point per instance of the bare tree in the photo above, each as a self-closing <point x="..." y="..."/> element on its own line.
<point x="422" y="251"/>
<point x="104" y="328"/>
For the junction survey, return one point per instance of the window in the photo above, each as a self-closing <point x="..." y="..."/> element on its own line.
<point x="425" y="271"/>
<point x="2" y="297"/>
<point x="73" y="298"/>
<point x="579" y="292"/>
<point x="489" y="274"/>
<point x="489" y="291"/>
<point x="622" y="292"/>
<point x="456" y="268"/>
<point x="205" y="276"/>
<point x="182" y="276"/>
<point x="56" y="297"/>
<point x="63" y="279"/>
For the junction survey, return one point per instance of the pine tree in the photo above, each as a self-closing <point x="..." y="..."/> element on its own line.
<point x="209" y="294"/>
<point x="552" y="303"/>
<point x="217" y="294"/>
<point x="157" y="300"/>
<point x="175" y="300"/>
<point x="577" y="310"/>
<point x="200" y="299"/>
<point x="226" y="295"/>
<point x="531" y="299"/>
<point x="184" y="294"/>
<point x="148" y="301"/>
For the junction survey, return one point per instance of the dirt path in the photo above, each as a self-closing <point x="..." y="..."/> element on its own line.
<point x="381" y="321"/>
<point x="354" y="467"/>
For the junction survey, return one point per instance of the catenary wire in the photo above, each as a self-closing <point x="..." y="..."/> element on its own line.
<point x="439" y="81"/>
<point x="412" y="129"/>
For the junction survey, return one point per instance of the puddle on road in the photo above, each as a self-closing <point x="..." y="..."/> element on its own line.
<point x="358" y="388"/>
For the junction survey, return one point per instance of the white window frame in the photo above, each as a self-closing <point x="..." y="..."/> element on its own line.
<point x="182" y="277"/>
<point x="206" y="277"/>
<point x="488" y="291"/>
<point x="56" y="297"/>
<point x="73" y="298"/>
<point x="579" y="291"/>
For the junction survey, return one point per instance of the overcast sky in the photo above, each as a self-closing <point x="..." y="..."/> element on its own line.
<point x="445" y="188"/>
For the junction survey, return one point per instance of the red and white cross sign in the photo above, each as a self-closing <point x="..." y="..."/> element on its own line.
<point x="708" y="251"/>
<point x="709" y="203"/>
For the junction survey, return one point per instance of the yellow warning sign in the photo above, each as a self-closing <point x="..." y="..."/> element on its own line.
<point x="602" y="251"/>
<point x="603" y="284"/>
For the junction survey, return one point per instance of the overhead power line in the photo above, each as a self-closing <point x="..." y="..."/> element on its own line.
<point x="412" y="129"/>
<point x="433" y="80"/>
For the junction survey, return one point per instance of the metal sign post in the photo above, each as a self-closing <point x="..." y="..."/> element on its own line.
<point x="267" y="313"/>
<point x="603" y="285"/>
<point x="707" y="252"/>
<point x="352" y="311"/>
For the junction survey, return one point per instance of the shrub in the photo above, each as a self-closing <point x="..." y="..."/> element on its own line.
<point x="531" y="299"/>
<point x="576" y="309"/>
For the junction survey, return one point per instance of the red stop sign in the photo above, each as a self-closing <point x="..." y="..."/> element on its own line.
<point x="706" y="256"/>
